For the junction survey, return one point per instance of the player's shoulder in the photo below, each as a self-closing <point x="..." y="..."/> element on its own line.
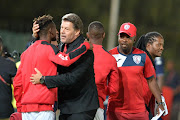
<point x="114" y="51"/>
<point x="55" y="49"/>
<point x="108" y="56"/>
<point x="7" y="62"/>
<point x="138" y="51"/>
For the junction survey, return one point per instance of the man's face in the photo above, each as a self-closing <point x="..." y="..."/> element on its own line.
<point x="57" y="35"/>
<point x="67" y="32"/>
<point x="157" y="47"/>
<point x="125" y="43"/>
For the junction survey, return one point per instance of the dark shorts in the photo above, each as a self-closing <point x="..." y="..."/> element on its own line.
<point x="87" y="115"/>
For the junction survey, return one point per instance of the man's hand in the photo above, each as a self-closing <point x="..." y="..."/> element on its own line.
<point x="35" y="78"/>
<point x="165" y="106"/>
<point x="35" y="29"/>
<point x="91" y="45"/>
<point x="161" y="107"/>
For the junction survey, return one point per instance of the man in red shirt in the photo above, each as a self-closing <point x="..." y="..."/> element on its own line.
<point x="105" y="67"/>
<point x="36" y="101"/>
<point x="134" y="65"/>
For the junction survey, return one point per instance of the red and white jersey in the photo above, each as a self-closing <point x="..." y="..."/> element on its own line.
<point x="133" y="69"/>
<point x="106" y="73"/>
<point x="43" y="56"/>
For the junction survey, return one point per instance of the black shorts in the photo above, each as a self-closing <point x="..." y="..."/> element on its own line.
<point x="87" y="115"/>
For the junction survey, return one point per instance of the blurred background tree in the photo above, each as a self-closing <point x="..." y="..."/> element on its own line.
<point x="16" y="17"/>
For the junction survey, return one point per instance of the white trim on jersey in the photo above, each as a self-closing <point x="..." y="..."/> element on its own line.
<point x="119" y="59"/>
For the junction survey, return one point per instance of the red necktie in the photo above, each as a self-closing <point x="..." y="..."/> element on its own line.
<point x="65" y="48"/>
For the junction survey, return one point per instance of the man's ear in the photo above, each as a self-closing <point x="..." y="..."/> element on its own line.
<point x="148" y="44"/>
<point x="134" y="39"/>
<point x="50" y="30"/>
<point x="104" y="34"/>
<point x="87" y="34"/>
<point x="77" y="32"/>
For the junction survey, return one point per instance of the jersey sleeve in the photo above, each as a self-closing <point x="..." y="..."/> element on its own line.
<point x="149" y="70"/>
<point x="159" y="64"/>
<point x="69" y="58"/>
<point x="70" y="78"/>
<point x="18" y="88"/>
<point x="113" y="79"/>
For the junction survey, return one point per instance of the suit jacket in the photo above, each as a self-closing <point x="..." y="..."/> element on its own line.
<point x="77" y="90"/>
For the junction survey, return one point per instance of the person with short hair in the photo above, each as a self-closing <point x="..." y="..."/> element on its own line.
<point x="105" y="67"/>
<point x="36" y="101"/>
<point x="134" y="66"/>
<point x="77" y="92"/>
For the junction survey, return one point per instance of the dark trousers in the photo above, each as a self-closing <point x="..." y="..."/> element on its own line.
<point x="87" y="115"/>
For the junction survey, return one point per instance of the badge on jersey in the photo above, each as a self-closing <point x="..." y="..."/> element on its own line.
<point x="137" y="59"/>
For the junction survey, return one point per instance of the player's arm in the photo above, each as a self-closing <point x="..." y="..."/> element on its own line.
<point x="67" y="59"/>
<point x="149" y="72"/>
<point x="18" y="89"/>
<point x="160" y="80"/>
<point x="153" y="86"/>
<point x="113" y="79"/>
<point x="67" y="79"/>
<point x="13" y="71"/>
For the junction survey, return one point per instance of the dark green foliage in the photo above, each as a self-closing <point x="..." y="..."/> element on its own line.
<point x="148" y="15"/>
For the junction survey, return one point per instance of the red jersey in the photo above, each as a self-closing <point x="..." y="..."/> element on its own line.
<point x="133" y="69"/>
<point x="106" y="73"/>
<point x="43" y="56"/>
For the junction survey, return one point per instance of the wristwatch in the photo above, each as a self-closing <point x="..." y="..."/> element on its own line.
<point x="161" y="103"/>
<point x="42" y="79"/>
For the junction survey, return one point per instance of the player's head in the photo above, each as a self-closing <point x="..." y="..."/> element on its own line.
<point x="152" y="42"/>
<point x="1" y="46"/>
<point x="47" y="26"/>
<point x="71" y="27"/>
<point x="127" y="37"/>
<point x="96" y="32"/>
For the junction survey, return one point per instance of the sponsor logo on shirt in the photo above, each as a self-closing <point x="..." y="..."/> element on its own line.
<point x="63" y="57"/>
<point x="137" y="59"/>
<point x="120" y="59"/>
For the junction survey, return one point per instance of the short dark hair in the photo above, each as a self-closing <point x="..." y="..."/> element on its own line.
<point x="96" y="29"/>
<point x="75" y="19"/>
<point x="45" y="22"/>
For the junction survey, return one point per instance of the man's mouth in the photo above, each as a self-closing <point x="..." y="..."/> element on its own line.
<point x="63" y="37"/>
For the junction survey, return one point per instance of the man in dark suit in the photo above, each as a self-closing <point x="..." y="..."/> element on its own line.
<point x="77" y="92"/>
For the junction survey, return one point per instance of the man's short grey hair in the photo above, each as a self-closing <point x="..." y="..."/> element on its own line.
<point x="75" y="19"/>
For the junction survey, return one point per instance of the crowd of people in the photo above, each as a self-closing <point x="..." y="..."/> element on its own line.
<point x="76" y="75"/>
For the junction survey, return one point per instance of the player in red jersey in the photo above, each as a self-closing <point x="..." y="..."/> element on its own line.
<point x="152" y="43"/>
<point x="105" y="67"/>
<point x="134" y="65"/>
<point x="36" y="101"/>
